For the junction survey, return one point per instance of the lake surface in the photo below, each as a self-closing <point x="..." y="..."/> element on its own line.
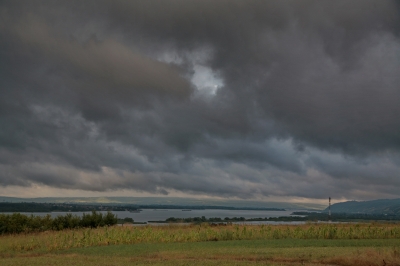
<point x="161" y="214"/>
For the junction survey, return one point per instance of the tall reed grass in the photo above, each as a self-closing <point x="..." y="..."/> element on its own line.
<point x="59" y="240"/>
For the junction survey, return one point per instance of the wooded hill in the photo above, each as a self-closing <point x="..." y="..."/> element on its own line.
<point x="381" y="206"/>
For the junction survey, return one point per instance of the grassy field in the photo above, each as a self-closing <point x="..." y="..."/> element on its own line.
<point x="311" y="244"/>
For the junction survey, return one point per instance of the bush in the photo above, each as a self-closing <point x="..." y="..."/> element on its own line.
<point x="110" y="219"/>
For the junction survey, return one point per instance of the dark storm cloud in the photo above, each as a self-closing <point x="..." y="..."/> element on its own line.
<point x="103" y="95"/>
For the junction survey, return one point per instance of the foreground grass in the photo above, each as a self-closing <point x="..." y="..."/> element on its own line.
<point x="377" y="244"/>
<point x="236" y="252"/>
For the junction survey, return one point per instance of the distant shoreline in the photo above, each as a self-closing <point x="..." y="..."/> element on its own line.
<point x="77" y="207"/>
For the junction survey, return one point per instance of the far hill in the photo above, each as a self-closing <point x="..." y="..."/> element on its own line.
<point x="381" y="206"/>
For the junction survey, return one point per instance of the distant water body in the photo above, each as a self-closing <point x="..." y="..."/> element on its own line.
<point x="163" y="214"/>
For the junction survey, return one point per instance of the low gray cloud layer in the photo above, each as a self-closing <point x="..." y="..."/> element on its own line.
<point x="241" y="99"/>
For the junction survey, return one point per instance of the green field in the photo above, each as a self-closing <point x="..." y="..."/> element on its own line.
<point x="311" y="244"/>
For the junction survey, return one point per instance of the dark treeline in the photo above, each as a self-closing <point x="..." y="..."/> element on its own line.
<point x="202" y="219"/>
<point x="61" y="207"/>
<point x="342" y="217"/>
<point x="228" y="219"/>
<point x="19" y="223"/>
<point x="295" y="217"/>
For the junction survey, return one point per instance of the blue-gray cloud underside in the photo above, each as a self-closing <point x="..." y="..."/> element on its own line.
<point x="300" y="98"/>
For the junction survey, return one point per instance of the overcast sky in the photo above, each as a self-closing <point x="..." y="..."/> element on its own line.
<point x="274" y="100"/>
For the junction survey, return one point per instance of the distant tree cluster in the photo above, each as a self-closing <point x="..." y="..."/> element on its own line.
<point x="19" y="223"/>
<point x="203" y="219"/>
<point x="126" y="220"/>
